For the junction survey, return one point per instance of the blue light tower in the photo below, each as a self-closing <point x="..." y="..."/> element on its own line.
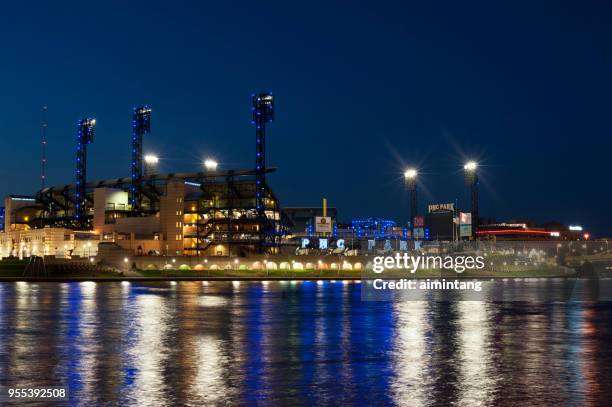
<point x="263" y="112"/>
<point x="141" y="125"/>
<point x="85" y="135"/>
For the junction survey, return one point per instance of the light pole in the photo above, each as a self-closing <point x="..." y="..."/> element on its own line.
<point x="410" y="176"/>
<point x="471" y="180"/>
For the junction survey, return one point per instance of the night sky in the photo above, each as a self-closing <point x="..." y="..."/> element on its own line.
<point x="362" y="91"/>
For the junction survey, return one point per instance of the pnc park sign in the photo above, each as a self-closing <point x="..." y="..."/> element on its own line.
<point x="445" y="207"/>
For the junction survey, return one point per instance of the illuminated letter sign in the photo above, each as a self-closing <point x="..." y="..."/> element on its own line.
<point x="340" y="244"/>
<point x="322" y="244"/>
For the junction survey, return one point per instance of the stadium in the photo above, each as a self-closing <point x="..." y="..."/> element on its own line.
<point x="208" y="213"/>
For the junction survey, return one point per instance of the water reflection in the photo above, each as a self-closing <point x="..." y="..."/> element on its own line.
<point x="412" y="381"/>
<point x="476" y="375"/>
<point x="147" y="356"/>
<point x="316" y="343"/>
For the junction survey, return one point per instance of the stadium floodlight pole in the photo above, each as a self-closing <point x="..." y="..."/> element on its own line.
<point x="471" y="179"/>
<point x="141" y="125"/>
<point x="85" y="135"/>
<point x="410" y="178"/>
<point x="263" y="113"/>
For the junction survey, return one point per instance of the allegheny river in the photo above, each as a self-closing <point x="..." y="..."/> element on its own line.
<point x="298" y="343"/>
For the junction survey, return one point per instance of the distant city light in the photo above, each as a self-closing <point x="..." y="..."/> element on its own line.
<point x="470" y="166"/>
<point x="151" y="159"/>
<point x="211" y="165"/>
<point x="575" y="228"/>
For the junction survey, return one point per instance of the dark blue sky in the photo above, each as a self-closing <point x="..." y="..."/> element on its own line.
<point x="362" y="90"/>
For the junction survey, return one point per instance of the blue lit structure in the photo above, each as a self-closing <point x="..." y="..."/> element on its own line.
<point x="373" y="228"/>
<point x="85" y="135"/>
<point x="263" y="112"/>
<point x="1" y="219"/>
<point x="141" y="125"/>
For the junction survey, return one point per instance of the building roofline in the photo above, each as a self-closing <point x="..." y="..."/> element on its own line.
<point x="114" y="182"/>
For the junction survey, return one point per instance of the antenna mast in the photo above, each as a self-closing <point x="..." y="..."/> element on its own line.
<point x="43" y="145"/>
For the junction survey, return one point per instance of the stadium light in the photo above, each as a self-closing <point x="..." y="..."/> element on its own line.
<point x="151" y="159"/>
<point x="150" y="163"/>
<point x="210" y="164"/>
<point x="470" y="166"/>
<point x="410" y="173"/>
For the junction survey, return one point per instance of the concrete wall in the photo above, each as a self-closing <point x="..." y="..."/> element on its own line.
<point x="141" y="226"/>
<point x="133" y="244"/>
<point x="171" y="208"/>
<point x="103" y="197"/>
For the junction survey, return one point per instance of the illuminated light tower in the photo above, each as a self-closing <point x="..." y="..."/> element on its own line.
<point x="210" y="165"/>
<point x="85" y="135"/>
<point x="141" y="125"/>
<point x="151" y="161"/>
<point x="263" y="112"/>
<point x="471" y="179"/>
<point x="410" y="179"/>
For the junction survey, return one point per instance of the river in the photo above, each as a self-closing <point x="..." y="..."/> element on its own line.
<point x="288" y="343"/>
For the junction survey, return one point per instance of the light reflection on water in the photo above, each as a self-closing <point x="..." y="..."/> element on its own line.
<point x="411" y="380"/>
<point x="281" y="343"/>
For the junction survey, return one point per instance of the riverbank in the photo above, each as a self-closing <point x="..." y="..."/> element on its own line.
<point x="241" y="275"/>
<point x="13" y="270"/>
